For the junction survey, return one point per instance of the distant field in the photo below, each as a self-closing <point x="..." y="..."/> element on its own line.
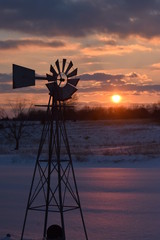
<point x="97" y="141"/>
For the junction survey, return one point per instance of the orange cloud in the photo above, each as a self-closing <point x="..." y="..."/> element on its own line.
<point x="155" y="66"/>
<point x="114" y="50"/>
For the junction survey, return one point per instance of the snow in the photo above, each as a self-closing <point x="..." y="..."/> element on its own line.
<point x="95" y="143"/>
<point x="117" y="169"/>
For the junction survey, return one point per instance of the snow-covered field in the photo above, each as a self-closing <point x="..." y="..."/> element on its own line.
<point x="117" y="168"/>
<point x="95" y="143"/>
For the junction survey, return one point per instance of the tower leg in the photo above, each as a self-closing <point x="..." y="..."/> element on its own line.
<point x="25" y="218"/>
<point x="57" y="109"/>
<point x="49" y="173"/>
<point x="80" y="209"/>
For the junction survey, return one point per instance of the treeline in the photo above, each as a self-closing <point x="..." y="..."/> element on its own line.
<point x="98" y="113"/>
<point x="113" y="113"/>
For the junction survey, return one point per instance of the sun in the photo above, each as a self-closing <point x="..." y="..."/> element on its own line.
<point x="116" y="98"/>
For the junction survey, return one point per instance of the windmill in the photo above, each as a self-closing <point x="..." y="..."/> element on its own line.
<point x="53" y="187"/>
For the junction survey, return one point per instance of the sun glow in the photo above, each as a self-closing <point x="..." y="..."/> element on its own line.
<point x="116" y="98"/>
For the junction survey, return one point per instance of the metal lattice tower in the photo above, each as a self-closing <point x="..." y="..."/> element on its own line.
<point x="53" y="188"/>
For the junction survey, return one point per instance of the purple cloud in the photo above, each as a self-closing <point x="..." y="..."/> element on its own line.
<point x="14" y="44"/>
<point x="80" y="18"/>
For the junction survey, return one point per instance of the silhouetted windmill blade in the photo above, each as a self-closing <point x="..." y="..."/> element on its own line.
<point x="59" y="93"/>
<point x="51" y="77"/>
<point x="52" y="88"/>
<point x="70" y="65"/>
<point x="63" y="65"/>
<point x="58" y="67"/>
<point x="68" y="91"/>
<point x="73" y="73"/>
<point x="73" y="81"/>
<point x="52" y="70"/>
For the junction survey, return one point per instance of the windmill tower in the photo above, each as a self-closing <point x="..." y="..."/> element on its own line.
<point x="53" y="187"/>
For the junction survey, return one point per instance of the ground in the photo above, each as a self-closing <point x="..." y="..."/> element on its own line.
<point x="100" y="143"/>
<point x="117" y="166"/>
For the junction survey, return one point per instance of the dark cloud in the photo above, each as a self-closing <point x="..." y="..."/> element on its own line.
<point x="133" y="88"/>
<point x="106" y="82"/>
<point x="110" y="42"/>
<point x="4" y="78"/>
<point x="79" y="18"/>
<point x="102" y="77"/>
<point x="7" y="88"/>
<point x="111" y="78"/>
<point x="140" y="88"/>
<point x="133" y="82"/>
<point x="13" y="44"/>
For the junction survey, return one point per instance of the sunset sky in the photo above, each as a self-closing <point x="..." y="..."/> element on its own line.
<point x="114" y="43"/>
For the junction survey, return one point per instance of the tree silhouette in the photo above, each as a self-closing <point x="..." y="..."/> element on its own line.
<point x="14" y="127"/>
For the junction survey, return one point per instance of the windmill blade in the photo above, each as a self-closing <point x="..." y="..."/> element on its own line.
<point x="50" y="77"/>
<point x="70" y="65"/>
<point x="51" y="86"/>
<point x="52" y="70"/>
<point x="61" y="94"/>
<point x="55" y="91"/>
<point x="58" y="67"/>
<point x="63" y="65"/>
<point x="67" y="91"/>
<point x="23" y="77"/>
<point x="73" y="73"/>
<point x="73" y="81"/>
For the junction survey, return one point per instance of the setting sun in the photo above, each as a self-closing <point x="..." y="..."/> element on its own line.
<point x="116" y="98"/>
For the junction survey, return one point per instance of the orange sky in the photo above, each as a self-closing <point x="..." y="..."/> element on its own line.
<point x="122" y="60"/>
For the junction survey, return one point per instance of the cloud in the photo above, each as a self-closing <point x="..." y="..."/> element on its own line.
<point x="102" y="77"/>
<point x="119" y="78"/>
<point x="132" y="88"/>
<point x="113" y="49"/>
<point x="14" y="44"/>
<point x="79" y="18"/>
<point x="155" y="66"/>
<point x="5" y="78"/>
<point x="134" y="82"/>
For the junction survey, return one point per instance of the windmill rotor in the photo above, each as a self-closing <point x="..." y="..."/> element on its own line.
<point x="61" y="84"/>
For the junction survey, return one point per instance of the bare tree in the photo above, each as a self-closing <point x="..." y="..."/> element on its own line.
<point x="14" y="127"/>
<point x="3" y="114"/>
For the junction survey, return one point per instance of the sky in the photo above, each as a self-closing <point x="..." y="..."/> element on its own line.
<point x="114" y="44"/>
